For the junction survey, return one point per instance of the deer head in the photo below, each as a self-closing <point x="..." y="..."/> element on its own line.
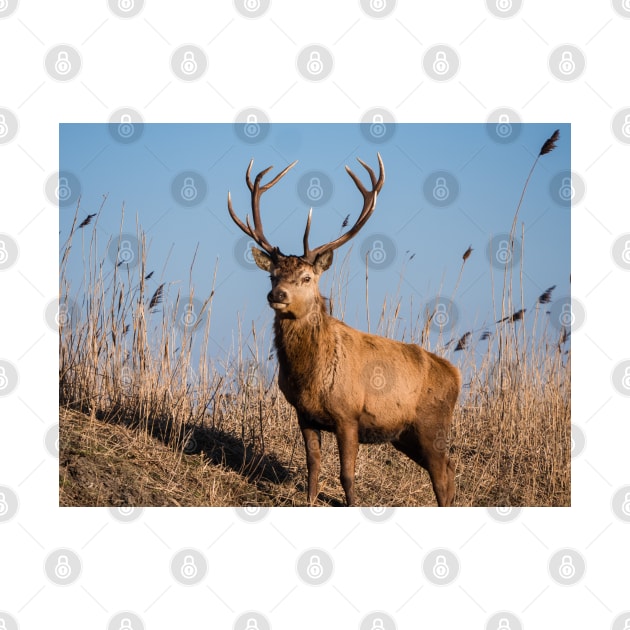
<point x="295" y="279"/>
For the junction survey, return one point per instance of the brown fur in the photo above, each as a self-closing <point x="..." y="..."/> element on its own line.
<point x="362" y="387"/>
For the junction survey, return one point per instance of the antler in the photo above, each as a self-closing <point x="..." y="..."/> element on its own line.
<point x="369" y="203"/>
<point x="257" y="190"/>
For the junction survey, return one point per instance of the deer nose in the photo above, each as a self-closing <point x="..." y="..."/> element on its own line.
<point x="277" y="295"/>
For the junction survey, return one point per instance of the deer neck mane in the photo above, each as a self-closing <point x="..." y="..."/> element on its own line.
<point x="302" y="343"/>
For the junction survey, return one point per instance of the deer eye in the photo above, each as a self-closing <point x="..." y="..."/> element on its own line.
<point x="306" y="279"/>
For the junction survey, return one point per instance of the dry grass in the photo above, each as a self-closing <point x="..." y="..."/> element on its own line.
<point x="147" y="417"/>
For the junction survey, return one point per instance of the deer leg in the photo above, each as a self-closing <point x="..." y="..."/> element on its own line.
<point x="313" y="443"/>
<point x="348" y="444"/>
<point x="430" y="452"/>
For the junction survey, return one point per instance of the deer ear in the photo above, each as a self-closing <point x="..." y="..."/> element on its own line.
<point x="323" y="261"/>
<point x="261" y="259"/>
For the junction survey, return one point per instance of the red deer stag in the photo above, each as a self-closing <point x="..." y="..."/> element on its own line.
<point x="363" y="388"/>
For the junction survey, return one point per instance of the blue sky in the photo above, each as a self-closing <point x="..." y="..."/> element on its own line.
<point x="447" y="187"/>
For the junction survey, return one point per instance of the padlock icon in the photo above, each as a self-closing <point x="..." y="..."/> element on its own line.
<point x="4" y="506"/>
<point x="625" y="128"/>
<point x="377" y="624"/>
<point x="251" y="510"/>
<point x="189" y="191"/>
<point x="62" y="317"/>
<point x="504" y="510"/>
<point x="189" y="317"/>
<point x="625" y="254"/>
<point x="440" y="568"/>
<point x="63" y="190"/>
<point x="314" y="191"/>
<point x="504" y="5"/>
<point x="125" y="5"/>
<point x="4" y="5"/>
<point x="189" y="568"/>
<point x="441" y="315"/>
<point x="314" y="64"/>
<point x="252" y="128"/>
<point x="63" y="65"/>
<point x="377" y="510"/>
<point x="378" y="255"/>
<point x="189" y="63"/>
<point x="4" y="254"/>
<point x="4" y="128"/>
<point x="626" y="7"/>
<point x="251" y="624"/>
<point x="377" y="127"/>
<point x="378" y="5"/>
<point x="314" y="570"/>
<point x="567" y="568"/>
<point x="625" y="506"/>
<point x="125" y="253"/>
<point x="504" y="127"/>
<point x="125" y="624"/>
<point x="567" y="318"/>
<point x="626" y="624"/>
<point x="248" y="255"/>
<point x="252" y="5"/>
<point x="440" y="63"/>
<point x="125" y="126"/>
<point x="125" y="510"/>
<point x="567" y="63"/>
<point x="440" y="189"/>
<point x="63" y="570"/>
<point x="4" y="381"/>
<point x="378" y="379"/>
<point x="503" y="255"/>
<point x="566" y="190"/>
<point x="625" y="381"/>
<point x="503" y="624"/>
<point x="572" y="444"/>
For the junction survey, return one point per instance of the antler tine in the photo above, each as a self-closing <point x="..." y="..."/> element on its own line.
<point x="307" y="232"/>
<point x="257" y="190"/>
<point x="369" y="203"/>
